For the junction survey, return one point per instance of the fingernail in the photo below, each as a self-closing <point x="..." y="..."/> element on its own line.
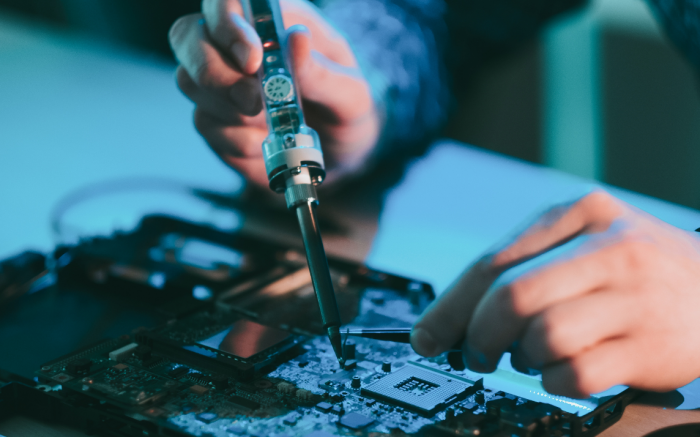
<point x="424" y="343"/>
<point x="241" y="53"/>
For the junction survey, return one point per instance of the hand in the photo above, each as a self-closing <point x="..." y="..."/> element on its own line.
<point x="620" y="307"/>
<point x="219" y="54"/>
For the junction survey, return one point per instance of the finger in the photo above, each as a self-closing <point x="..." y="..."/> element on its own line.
<point x="594" y="212"/>
<point x="218" y="106"/>
<point x="593" y="371"/>
<point x="326" y="39"/>
<point x="231" y="141"/>
<point x="252" y="169"/>
<point x="340" y="90"/>
<point x="232" y="34"/>
<point x="566" y="330"/>
<point x="210" y="71"/>
<point x="443" y="323"/>
<point x="501" y="317"/>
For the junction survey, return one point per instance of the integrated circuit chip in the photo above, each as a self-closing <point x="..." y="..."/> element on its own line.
<point x="245" y="338"/>
<point x="419" y="388"/>
<point x="223" y="343"/>
<point x="355" y="421"/>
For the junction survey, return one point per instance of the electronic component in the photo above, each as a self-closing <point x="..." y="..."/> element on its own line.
<point x="222" y="342"/>
<point x="142" y="352"/>
<point x="349" y="350"/>
<point x="247" y="365"/>
<point x="81" y="366"/>
<point x="236" y="429"/>
<point x="243" y="402"/>
<point x="178" y="372"/>
<point x="324" y="406"/>
<point x="123" y="352"/>
<point x="355" y="421"/>
<point x="245" y="338"/>
<point x="129" y="386"/>
<point x="198" y="390"/>
<point x="207" y="417"/>
<point x="419" y="388"/>
<point x="291" y="418"/>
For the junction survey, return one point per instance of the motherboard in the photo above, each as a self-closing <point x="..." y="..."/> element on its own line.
<point x="251" y="361"/>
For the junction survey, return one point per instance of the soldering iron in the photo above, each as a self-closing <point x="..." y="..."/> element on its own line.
<point x="292" y="154"/>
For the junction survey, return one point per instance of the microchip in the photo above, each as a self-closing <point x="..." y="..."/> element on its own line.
<point x="469" y="406"/>
<point x="79" y="366"/>
<point x="243" y="402"/>
<point x="292" y="418"/>
<point x="245" y="339"/>
<point x="178" y="372"/>
<point x="355" y="421"/>
<point x="236" y="429"/>
<point x="419" y="388"/>
<point x="229" y="345"/>
<point x="198" y="390"/>
<point x="206" y="417"/>
<point x="324" y="406"/>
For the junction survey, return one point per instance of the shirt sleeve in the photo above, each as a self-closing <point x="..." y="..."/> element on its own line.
<point x="411" y="51"/>
<point x="681" y="19"/>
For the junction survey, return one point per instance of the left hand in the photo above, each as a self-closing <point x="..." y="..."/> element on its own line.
<point x="622" y="307"/>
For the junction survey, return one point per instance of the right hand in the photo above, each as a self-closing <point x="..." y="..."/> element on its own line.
<point x="219" y="54"/>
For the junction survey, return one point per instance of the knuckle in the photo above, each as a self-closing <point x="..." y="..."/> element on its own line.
<point x="598" y="198"/>
<point x="600" y="204"/>
<point x="203" y="74"/>
<point x="582" y="378"/>
<point x="634" y="253"/>
<point x="552" y="327"/>
<point x="210" y="73"/>
<point x="517" y="297"/>
<point x="247" y="147"/>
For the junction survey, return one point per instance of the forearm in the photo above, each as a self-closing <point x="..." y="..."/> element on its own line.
<point x="400" y="45"/>
<point x="413" y="51"/>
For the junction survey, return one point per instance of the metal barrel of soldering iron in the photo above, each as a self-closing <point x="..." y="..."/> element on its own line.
<point x="292" y="154"/>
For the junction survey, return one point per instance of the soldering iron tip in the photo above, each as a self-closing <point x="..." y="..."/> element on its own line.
<point x="336" y="343"/>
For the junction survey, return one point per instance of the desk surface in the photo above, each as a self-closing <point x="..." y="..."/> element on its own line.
<point x="75" y="112"/>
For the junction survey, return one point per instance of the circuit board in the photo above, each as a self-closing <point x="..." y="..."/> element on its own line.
<point x="384" y="388"/>
<point x="251" y="362"/>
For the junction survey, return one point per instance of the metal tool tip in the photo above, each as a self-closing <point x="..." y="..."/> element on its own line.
<point x="336" y="343"/>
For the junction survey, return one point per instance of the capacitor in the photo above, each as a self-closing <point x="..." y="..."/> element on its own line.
<point x="356" y="382"/>
<point x="386" y="366"/>
<point x="349" y="350"/>
<point x="479" y="397"/>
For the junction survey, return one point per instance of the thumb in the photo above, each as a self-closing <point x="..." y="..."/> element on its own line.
<point x="339" y="90"/>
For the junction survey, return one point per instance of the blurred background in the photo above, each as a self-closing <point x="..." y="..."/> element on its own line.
<point x="87" y="93"/>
